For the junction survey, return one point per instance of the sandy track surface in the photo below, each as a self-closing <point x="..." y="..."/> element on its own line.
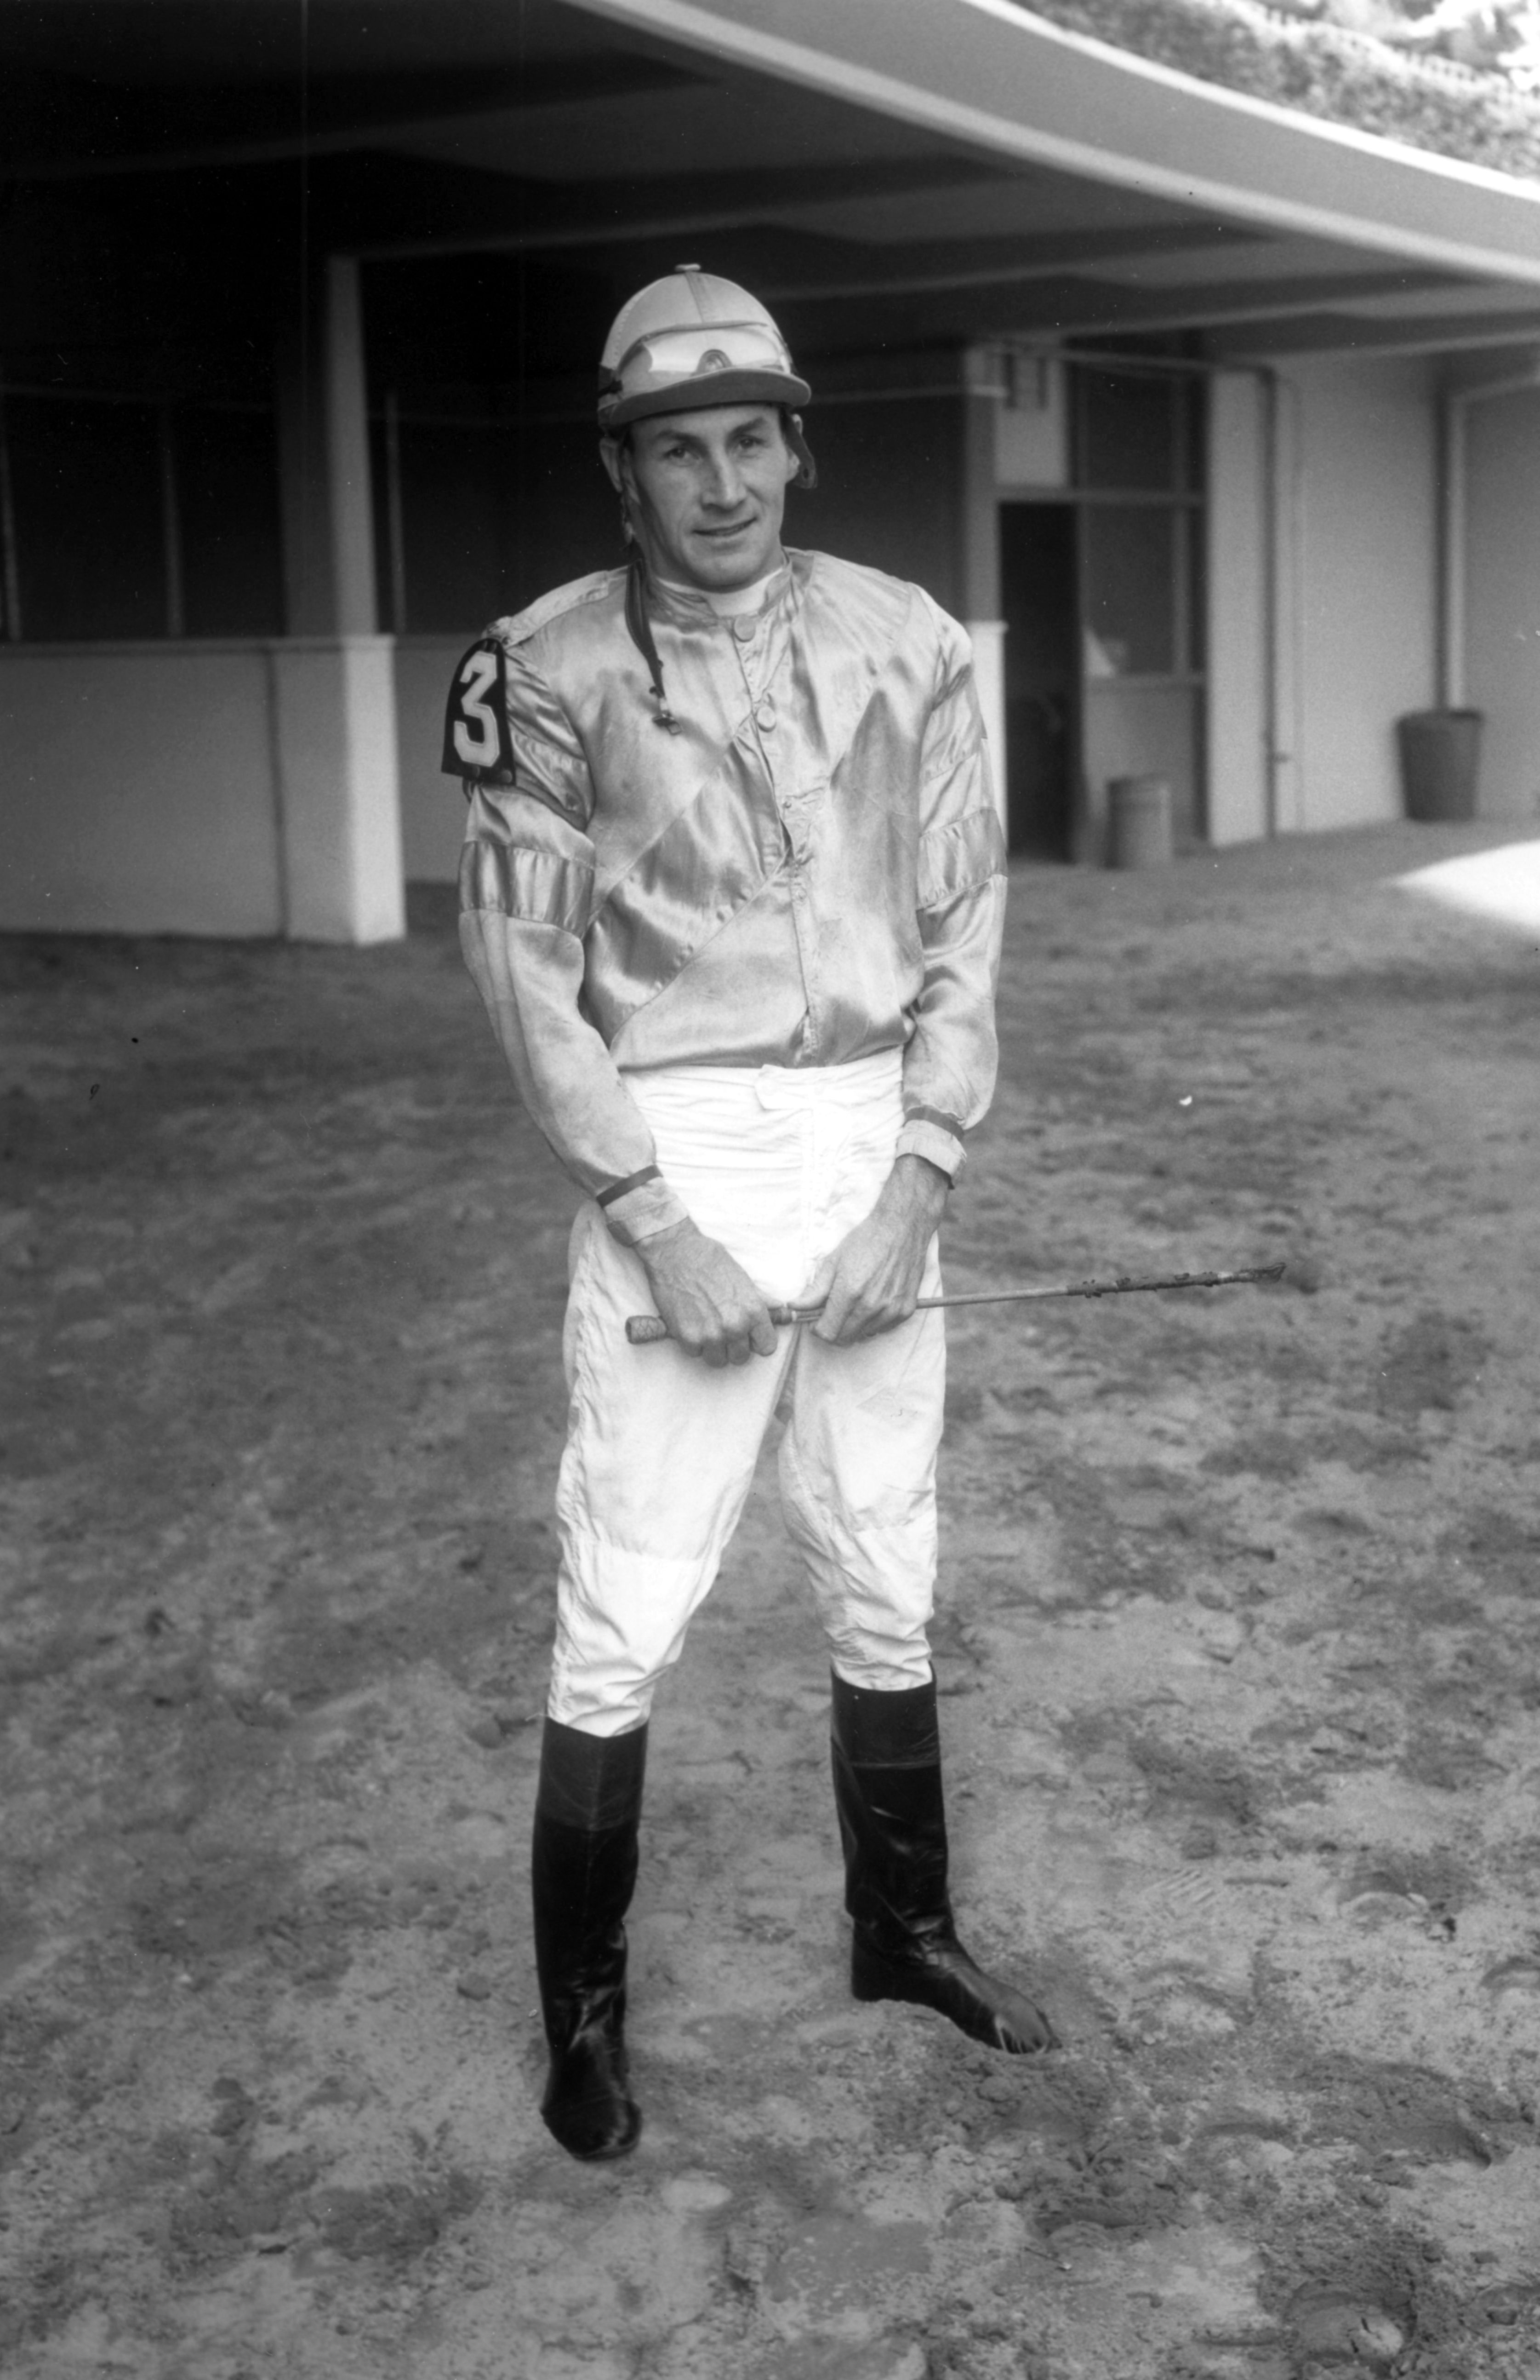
<point x="1240" y="1652"/>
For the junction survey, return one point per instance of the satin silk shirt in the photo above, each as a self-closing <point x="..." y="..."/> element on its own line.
<point x="810" y="869"/>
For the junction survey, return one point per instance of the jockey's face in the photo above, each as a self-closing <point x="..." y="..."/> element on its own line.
<point x="706" y="492"/>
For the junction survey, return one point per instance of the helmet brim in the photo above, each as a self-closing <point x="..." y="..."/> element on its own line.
<point x="703" y="392"/>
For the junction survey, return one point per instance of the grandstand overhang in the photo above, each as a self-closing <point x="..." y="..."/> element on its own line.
<point x="1215" y="210"/>
<point x="300" y="307"/>
<point x="911" y="174"/>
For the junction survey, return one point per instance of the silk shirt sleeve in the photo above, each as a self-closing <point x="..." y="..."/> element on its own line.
<point x="526" y="890"/>
<point x="950" y="1063"/>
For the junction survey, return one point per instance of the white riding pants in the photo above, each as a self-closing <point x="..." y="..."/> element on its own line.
<point x="779" y="1164"/>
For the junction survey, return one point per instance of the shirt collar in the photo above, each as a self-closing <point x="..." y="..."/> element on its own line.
<point x="695" y="605"/>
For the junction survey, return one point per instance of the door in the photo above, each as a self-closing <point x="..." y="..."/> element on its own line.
<point x="1040" y="604"/>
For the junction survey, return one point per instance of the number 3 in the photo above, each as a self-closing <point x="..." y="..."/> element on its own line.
<point x="476" y="679"/>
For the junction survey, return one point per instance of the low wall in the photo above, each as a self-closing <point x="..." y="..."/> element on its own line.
<point x="238" y="788"/>
<point x="139" y="791"/>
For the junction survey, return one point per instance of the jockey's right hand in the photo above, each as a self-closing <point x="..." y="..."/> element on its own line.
<point x="708" y="1302"/>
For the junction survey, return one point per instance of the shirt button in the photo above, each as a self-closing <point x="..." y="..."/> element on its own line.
<point x="764" y="718"/>
<point x="743" y="627"/>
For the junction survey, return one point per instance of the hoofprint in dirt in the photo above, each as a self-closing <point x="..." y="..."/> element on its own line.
<point x="1239" y="1652"/>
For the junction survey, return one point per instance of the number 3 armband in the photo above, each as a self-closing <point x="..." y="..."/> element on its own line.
<point x="476" y="745"/>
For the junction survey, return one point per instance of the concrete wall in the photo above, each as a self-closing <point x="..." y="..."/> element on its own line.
<point x="242" y="788"/>
<point x="138" y="790"/>
<point x="1502" y="598"/>
<point x="1237" y="611"/>
<point x="1358" y="583"/>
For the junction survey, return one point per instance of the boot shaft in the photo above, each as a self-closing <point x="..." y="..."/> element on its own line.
<point x="582" y="1868"/>
<point x="877" y="1730"/>
<point x="583" y="1858"/>
<point x="592" y="1783"/>
<point x="886" y="1761"/>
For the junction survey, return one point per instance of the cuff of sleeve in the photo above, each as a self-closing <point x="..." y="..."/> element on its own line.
<point x="636" y="1214"/>
<point x="920" y="1137"/>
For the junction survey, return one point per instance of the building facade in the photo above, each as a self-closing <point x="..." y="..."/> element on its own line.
<point x="1219" y="427"/>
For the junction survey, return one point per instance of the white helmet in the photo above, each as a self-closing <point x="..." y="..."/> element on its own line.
<point x="693" y="340"/>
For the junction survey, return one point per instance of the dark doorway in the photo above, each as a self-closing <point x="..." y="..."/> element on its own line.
<point x="1040" y="602"/>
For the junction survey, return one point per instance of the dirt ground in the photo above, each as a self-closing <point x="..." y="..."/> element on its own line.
<point x="1240" y="1652"/>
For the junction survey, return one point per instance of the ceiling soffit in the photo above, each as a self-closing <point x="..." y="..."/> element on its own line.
<point x="869" y="229"/>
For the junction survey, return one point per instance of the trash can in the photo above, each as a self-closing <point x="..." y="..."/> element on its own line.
<point x="1138" y="823"/>
<point x="1441" y="752"/>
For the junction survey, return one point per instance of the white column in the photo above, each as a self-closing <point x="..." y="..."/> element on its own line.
<point x="334" y="686"/>
<point x="1499" y="538"/>
<point x="1239" y="551"/>
<point x="350" y="493"/>
<point x="334" y="708"/>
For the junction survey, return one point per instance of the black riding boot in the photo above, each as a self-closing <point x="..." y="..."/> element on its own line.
<point x="584" y="1869"/>
<point x="888" y="1790"/>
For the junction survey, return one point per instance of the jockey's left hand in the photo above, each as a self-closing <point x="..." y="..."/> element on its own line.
<point x="876" y="1269"/>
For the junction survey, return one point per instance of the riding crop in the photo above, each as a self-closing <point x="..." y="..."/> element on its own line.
<point x="643" y="1329"/>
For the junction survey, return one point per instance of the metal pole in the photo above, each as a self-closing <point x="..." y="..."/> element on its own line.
<point x="10" y="562"/>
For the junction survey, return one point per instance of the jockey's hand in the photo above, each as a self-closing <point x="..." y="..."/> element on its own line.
<point x="875" y="1278"/>
<point x="708" y="1302"/>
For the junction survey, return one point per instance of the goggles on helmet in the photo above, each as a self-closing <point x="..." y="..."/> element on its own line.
<point x="676" y="370"/>
<point x="712" y="346"/>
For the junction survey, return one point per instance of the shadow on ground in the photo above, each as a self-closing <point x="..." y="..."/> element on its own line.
<point x="1240" y="1647"/>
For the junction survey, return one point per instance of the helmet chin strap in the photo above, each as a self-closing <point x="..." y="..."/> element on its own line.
<point x="638" y="626"/>
<point x="640" y="630"/>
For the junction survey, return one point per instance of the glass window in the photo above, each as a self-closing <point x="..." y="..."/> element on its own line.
<point x="88" y="503"/>
<point x="103" y="494"/>
<point x="226" y="472"/>
<point x="1194" y="396"/>
<point x="452" y="515"/>
<point x="1197" y="591"/>
<point x="1130" y="591"/>
<point x="1128" y="432"/>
